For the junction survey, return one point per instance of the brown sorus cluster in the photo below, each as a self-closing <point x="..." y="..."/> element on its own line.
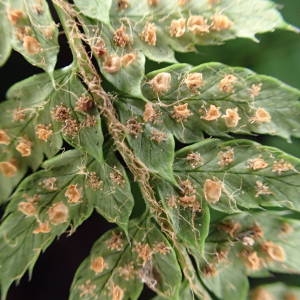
<point x="212" y="189"/>
<point x="181" y="112"/>
<point x="213" y="113"/>
<point x="98" y="265"/>
<point x="194" y="159"/>
<point x="116" y="242"/>
<point x="188" y="198"/>
<point x="134" y="127"/>
<point x="8" y="168"/>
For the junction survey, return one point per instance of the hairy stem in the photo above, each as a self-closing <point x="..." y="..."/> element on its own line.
<point x="117" y="130"/>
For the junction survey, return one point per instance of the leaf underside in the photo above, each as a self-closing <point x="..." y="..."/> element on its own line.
<point x="228" y="207"/>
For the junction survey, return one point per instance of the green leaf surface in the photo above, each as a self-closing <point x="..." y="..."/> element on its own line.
<point x="5" y="45"/>
<point x="221" y="101"/>
<point x="157" y="28"/>
<point x="124" y="68"/>
<point x="97" y="9"/>
<point x="117" y="267"/>
<point x="43" y="114"/>
<point x="34" y="33"/>
<point x="244" y="244"/>
<point x="189" y="221"/>
<point x="37" y="195"/>
<point x="150" y="142"/>
<point x="257" y="16"/>
<point x="239" y="175"/>
<point x="106" y="184"/>
<point x="62" y="195"/>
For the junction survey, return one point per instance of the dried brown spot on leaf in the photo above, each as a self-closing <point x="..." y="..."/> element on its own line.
<point x="148" y="34"/>
<point x="61" y="113"/>
<point x="226" y="84"/>
<point x="4" y="138"/>
<point x="123" y="4"/>
<point x="197" y="25"/>
<point x="260" y="116"/>
<point x="161" y="83"/>
<point x="144" y="252"/>
<point x="190" y="201"/>
<point x="256" y="231"/>
<point x="58" y="213"/>
<point x="209" y="270"/>
<point x="18" y="114"/>
<point x="172" y="201"/>
<point x="43" y="131"/>
<point x="23" y="31"/>
<point x="121" y="38"/>
<point x="221" y="255"/>
<point x="153" y="2"/>
<point x="134" y="127"/>
<point x="112" y="63"/>
<point x="15" y="16"/>
<point x="27" y="208"/>
<point x="49" y="184"/>
<point x="84" y="103"/>
<point x="94" y="182"/>
<point x="262" y="189"/>
<point x="43" y="227"/>
<point x="251" y="260"/>
<point x="24" y="147"/>
<point x="255" y="90"/>
<point x="117" y="177"/>
<point x="99" y="48"/>
<point x="274" y="251"/>
<point x="128" y="59"/>
<point x="89" y="121"/>
<point x="187" y="187"/>
<point x="225" y="158"/>
<point x="161" y="248"/>
<point x="87" y="288"/>
<point x="158" y="136"/>
<point x="257" y="163"/>
<point x="73" y="193"/>
<point x="231" y="117"/>
<point x="212" y="114"/>
<point x="127" y="272"/>
<point x="181" y="112"/>
<point x="117" y="293"/>
<point x="194" y="159"/>
<point x="231" y="228"/>
<point x="8" y="168"/>
<point x="290" y="296"/>
<point x="150" y="114"/>
<point x="261" y="294"/>
<point x="281" y="165"/>
<point x="177" y="27"/>
<point x="193" y="81"/>
<point x="98" y="265"/>
<point x="71" y="127"/>
<point x="286" y="228"/>
<point x="48" y="31"/>
<point x="212" y="190"/>
<point x="220" y="22"/>
<point x="116" y="242"/>
<point x="31" y="45"/>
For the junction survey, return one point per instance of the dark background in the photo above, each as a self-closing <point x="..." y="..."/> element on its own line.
<point x="277" y="54"/>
